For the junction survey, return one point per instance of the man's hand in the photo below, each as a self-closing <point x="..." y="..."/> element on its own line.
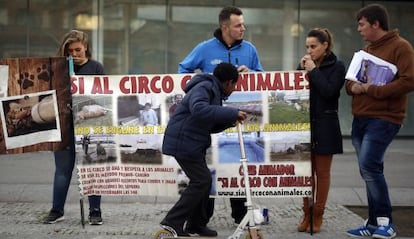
<point x="241" y="117"/>
<point x="242" y="68"/>
<point x="358" y="89"/>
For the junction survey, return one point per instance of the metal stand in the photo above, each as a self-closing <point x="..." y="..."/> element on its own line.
<point x="248" y="220"/>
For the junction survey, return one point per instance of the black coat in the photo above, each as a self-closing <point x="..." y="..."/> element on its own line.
<point x="326" y="82"/>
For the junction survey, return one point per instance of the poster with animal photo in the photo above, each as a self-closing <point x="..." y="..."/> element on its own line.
<point x="120" y="122"/>
<point x="27" y="82"/>
<point x="96" y="112"/>
<point x="30" y="119"/>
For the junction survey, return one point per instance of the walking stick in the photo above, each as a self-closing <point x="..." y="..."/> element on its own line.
<point x="82" y="212"/>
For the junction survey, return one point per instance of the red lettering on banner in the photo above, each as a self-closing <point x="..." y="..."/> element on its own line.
<point x="184" y="81"/>
<point x="233" y="182"/>
<point x="270" y="181"/>
<point x="167" y="84"/>
<point x="146" y="84"/>
<point x="251" y="169"/>
<point x="300" y="181"/>
<point x="306" y="78"/>
<point x="98" y="88"/>
<point x="287" y="85"/>
<point x="77" y="88"/>
<point x="298" y="79"/>
<point x="242" y="83"/>
<point x="272" y="81"/>
<point x="254" y="182"/>
<point x="122" y="84"/>
<point x="143" y="84"/>
<point x="262" y="83"/>
<point x="153" y="84"/>
<point x="224" y="182"/>
<point x="277" y="85"/>
<point x="278" y="169"/>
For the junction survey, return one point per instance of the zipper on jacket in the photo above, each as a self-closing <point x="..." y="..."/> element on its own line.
<point x="236" y="60"/>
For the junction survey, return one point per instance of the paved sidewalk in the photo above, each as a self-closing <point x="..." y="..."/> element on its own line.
<point x="26" y="189"/>
<point x="140" y="220"/>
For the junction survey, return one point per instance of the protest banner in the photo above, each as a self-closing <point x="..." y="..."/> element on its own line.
<point x="119" y="151"/>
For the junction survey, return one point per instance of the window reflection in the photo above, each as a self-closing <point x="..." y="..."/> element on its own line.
<point x="145" y="37"/>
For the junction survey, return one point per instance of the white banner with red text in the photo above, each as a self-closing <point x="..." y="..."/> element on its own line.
<point x="120" y="120"/>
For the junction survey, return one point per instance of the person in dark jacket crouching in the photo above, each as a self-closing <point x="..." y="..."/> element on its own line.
<point x="187" y="138"/>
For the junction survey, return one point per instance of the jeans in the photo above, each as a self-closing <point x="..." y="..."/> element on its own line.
<point x="371" y="137"/>
<point x="64" y="164"/>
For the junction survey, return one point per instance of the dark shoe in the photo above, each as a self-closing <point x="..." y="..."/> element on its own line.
<point x="95" y="217"/>
<point x="53" y="217"/>
<point x="174" y="229"/>
<point x="202" y="232"/>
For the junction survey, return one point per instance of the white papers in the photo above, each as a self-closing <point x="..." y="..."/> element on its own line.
<point x="366" y="67"/>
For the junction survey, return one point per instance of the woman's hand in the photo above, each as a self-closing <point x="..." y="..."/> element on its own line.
<point x="307" y="63"/>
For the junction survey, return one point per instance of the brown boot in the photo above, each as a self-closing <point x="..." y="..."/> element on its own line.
<point x="317" y="219"/>
<point x="306" y="216"/>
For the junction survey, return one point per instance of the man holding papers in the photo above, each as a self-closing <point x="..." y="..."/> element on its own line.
<point x="379" y="111"/>
<point x="367" y="68"/>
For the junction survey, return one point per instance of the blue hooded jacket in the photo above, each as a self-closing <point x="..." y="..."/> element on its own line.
<point x="208" y="54"/>
<point x="188" y="133"/>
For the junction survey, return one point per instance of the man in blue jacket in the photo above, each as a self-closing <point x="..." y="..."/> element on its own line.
<point x="187" y="138"/>
<point x="227" y="45"/>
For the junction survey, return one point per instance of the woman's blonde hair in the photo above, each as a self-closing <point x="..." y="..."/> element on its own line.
<point x="71" y="37"/>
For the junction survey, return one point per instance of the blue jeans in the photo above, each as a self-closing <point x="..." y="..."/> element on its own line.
<point x="64" y="164"/>
<point x="371" y="137"/>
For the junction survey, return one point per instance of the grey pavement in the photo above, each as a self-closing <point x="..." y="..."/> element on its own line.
<point x="26" y="195"/>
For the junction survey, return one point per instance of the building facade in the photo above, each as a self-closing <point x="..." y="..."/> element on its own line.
<point x="145" y="37"/>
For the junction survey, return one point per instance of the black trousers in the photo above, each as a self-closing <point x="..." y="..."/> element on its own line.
<point x="238" y="208"/>
<point x="192" y="205"/>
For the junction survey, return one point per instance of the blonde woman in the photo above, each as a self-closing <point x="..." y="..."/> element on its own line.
<point x="75" y="43"/>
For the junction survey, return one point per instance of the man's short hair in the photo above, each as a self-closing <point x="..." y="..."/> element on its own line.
<point x="374" y="12"/>
<point x="226" y="12"/>
<point x="225" y="72"/>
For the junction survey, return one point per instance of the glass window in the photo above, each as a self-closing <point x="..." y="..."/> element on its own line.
<point x="141" y="36"/>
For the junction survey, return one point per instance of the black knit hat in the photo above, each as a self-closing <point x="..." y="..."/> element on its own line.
<point x="225" y="72"/>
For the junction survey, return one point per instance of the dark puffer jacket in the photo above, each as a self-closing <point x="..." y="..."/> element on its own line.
<point x="188" y="133"/>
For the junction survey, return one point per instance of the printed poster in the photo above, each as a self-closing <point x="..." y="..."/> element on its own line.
<point x="34" y="104"/>
<point x="119" y="123"/>
<point x="30" y="119"/>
